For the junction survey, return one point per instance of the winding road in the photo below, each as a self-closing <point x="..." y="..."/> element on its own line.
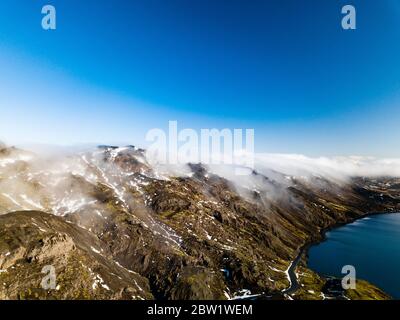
<point x="294" y="284"/>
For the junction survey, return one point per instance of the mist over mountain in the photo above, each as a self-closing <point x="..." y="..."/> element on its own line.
<point x="116" y="225"/>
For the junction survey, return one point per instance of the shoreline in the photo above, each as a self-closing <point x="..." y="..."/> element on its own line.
<point x="304" y="250"/>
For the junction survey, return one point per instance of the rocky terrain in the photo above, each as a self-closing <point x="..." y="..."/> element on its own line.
<point x="115" y="226"/>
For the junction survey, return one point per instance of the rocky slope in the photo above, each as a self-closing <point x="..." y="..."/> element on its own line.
<point x="115" y="227"/>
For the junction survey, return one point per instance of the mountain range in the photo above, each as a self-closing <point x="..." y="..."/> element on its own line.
<point x="115" y="225"/>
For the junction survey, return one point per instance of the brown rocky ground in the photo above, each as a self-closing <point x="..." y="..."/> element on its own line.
<point x="113" y="228"/>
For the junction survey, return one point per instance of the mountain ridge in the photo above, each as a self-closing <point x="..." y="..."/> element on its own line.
<point x="194" y="236"/>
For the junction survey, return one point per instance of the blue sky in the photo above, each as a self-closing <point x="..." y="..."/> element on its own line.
<point x="112" y="70"/>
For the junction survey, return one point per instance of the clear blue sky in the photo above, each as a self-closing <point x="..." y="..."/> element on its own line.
<point x="114" y="69"/>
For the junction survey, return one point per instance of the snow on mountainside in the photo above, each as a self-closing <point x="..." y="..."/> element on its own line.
<point x="198" y="232"/>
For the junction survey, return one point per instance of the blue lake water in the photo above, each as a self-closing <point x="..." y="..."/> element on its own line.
<point x="371" y="245"/>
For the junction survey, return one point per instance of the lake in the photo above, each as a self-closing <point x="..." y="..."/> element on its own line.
<point x="371" y="245"/>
